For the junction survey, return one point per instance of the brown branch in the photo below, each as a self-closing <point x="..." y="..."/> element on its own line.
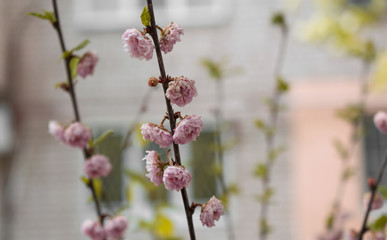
<point x="171" y="113"/>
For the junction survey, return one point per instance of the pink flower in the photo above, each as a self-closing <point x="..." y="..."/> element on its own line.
<point x="56" y="130"/>
<point x="176" y="178"/>
<point x="171" y="35"/>
<point x="154" y="167"/>
<point x="97" y="166"/>
<point x="115" y="227"/>
<point x="94" y="230"/>
<point x="87" y="64"/>
<point x="181" y="91"/>
<point x="376" y="204"/>
<point x="380" y="121"/>
<point x="137" y="45"/>
<point x="211" y="211"/>
<point x="374" y="236"/>
<point x="333" y="234"/>
<point x="188" y="129"/>
<point x="156" y="134"/>
<point x="77" y="135"/>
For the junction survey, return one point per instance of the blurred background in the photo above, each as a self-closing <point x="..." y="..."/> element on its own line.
<point x="334" y="56"/>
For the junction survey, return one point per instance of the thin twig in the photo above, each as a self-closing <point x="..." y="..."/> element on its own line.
<point x="74" y="102"/>
<point x="373" y="193"/>
<point x="171" y="114"/>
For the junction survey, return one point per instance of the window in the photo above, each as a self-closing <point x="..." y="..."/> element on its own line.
<point x="97" y="15"/>
<point x="375" y="149"/>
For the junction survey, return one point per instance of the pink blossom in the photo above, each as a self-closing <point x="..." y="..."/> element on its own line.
<point x="154" y="167"/>
<point x="156" y="134"/>
<point x="181" y="91"/>
<point x="350" y="235"/>
<point x="171" y="35"/>
<point x="137" y="45"/>
<point x="380" y="121"/>
<point x="374" y="236"/>
<point x="77" y="135"/>
<point x="211" y="211"/>
<point x="56" y="130"/>
<point x="188" y="129"/>
<point x="94" y="230"/>
<point x="97" y="166"/>
<point x="176" y="178"/>
<point x="333" y="234"/>
<point x="376" y="204"/>
<point x="115" y="227"/>
<point x="87" y="64"/>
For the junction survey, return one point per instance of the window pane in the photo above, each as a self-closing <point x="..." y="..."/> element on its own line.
<point x="112" y="184"/>
<point x="203" y="160"/>
<point x="375" y="146"/>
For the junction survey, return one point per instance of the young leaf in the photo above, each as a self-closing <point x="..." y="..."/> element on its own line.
<point x="261" y="171"/>
<point x="74" y="66"/>
<point x="278" y="18"/>
<point x="46" y="15"/>
<point x="348" y="173"/>
<point x="274" y="153"/>
<point x="102" y="137"/>
<point x="80" y="46"/>
<point x="282" y="85"/>
<point x="265" y="228"/>
<point x="265" y="197"/>
<point x="145" y="17"/>
<point x="259" y="123"/>
<point x="382" y="190"/>
<point x="85" y="180"/>
<point x="379" y="224"/>
<point x="341" y="149"/>
<point x="330" y="221"/>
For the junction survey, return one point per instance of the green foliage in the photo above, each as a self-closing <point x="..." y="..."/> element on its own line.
<point x="282" y="85"/>
<point x="266" y="196"/>
<point x="330" y="221"/>
<point x="98" y="188"/>
<point x="74" y="66"/>
<point x="352" y="113"/>
<point x="379" y="224"/>
<point x="161" y="227"/>
<point x="260" y="124"/>
<point x="278" y="19"/>
<point x="85" y="180"/>
<point x="265" y="228"/>
<point x="341" y="149"/>
<point x="46" y="15"/>
<point x="261" y="171"/>
<point x="348" y="173"/>
<point x="275" y="152"/>
<point x="214" y="69"/>
<point x="101" y="138"/>
<point x="379" y="73"/>
<point x="382" y="190"/>
<point x="80" y="46"/>
<point x="145" y="17"/>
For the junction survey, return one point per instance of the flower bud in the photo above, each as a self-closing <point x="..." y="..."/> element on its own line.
<point x="380" y="121"/>
<point x="152" y="82"/>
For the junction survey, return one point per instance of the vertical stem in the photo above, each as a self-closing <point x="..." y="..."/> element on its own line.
<point x="171" y="114"/>
<point x="373" y="192"/>
<point x="270" y="137"/>
<point x="74" y="102"/>
<point x="218" y="142"/>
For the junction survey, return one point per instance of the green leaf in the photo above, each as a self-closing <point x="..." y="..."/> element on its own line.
<point x="330" y="221"/>
<point x="232" y="189"/>
<point x="278" y="19"/>
<point x="80" y="46"/>
<point x="379" y="224"/>
<point x="274" y="153"/>
<point x="261" y="171"/>
<point x="145" y="17"/>
<point x="348" y="173"/>
<point x="259" y="123"/>
<point x="282" y="85"/>
<point x="74" y="66"/>
<point x="266" y="196"/>
<point x="66" y="54"/>
<point x="265" y="228"/>
<point x="102" y="137"/>
<point x="341" y="149"/>
<point x="46" y="15"/>
<point x="351" y="113"/>
<point x="85" y="180"/>
<point x="214" y="69"/>
<point x="382" y="190"/>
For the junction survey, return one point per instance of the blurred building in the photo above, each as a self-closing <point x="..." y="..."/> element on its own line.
<point x="41" y="193"/>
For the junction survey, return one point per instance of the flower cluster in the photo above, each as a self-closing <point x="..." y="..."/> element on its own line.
<point x="75" y="135"/>
<point x="97" y="166"/>
<point x="138" y="45"/>
<point x="180" y="91"/>
<point x="78" y="135"/>
<point x="87" y="64"/>
<point x="211" y="212"/>
<point x="380" y="121"/>
<point x="114" y="229"/>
